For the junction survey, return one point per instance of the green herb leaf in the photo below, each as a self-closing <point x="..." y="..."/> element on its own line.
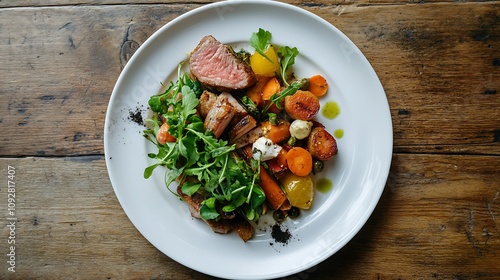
<point x="260" y="42"/>
<point x="290" y="90"/>
<point x="208" y="213"/>
<point x="249" y="105"/>
<point x="148" y="171"/>
<point x="190" y="188"/>
<point x="208" y="210"/>
<point x="287" y="59"/>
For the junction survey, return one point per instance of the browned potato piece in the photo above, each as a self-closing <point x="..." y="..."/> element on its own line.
<point x="321" y="144"/>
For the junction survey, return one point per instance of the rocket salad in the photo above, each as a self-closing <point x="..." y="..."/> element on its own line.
<point x="197" y="153"/>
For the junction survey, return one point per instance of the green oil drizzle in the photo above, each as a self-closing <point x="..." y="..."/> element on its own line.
<point x="324" y="185"/>
<point x="331" y="110"/>
<point x="339" y="133"/>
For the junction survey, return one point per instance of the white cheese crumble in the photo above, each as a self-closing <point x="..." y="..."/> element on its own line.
<point x="265" y="149"/>
<point x="300" y="129"/>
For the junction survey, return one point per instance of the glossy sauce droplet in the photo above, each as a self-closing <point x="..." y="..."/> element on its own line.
<point x="331" y="110"/>
<point x="339" y="133"/>
<point x="324" y="185"/>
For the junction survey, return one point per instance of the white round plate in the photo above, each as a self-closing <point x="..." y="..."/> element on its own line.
<point x="359" y="171"/>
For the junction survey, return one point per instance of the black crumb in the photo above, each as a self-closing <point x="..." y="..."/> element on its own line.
<point x="279" y="234"/>
<point x="136" y="116"/>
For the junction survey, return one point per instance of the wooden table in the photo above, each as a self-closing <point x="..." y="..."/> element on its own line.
<point x="439" y="63"/>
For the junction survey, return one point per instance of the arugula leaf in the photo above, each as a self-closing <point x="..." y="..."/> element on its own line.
<point x="287" y="59"/>
<point x="149" y="170"/>
<point x="190" y="188"/>
<point x="189" y="102"/>
<point x="260" y="40"/>
<point x="208" y="210"/>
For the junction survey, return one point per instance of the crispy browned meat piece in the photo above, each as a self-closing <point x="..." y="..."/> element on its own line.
<point x="242" y="227"/>
<point x="194" y="203"/>
<point x="219" y="116"/>
<point x="230" y="222"/>
<point x="206" y="102"/>
<point x="244" y="125"/>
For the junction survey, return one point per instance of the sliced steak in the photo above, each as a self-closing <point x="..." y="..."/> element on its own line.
<point x="219" y="116"/>
<point x="215" y="65"/>
<point x="240" y="111"/>
<point x="242" y="227"/>
<point x="242" y="127"/>
<point x="206" y="102"/>
<point x="194" y="203"/>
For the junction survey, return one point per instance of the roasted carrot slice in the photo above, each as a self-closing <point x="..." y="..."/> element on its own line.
<point x="275" y="196"/>
<point x="303" y="105"/>
<point x="318" y="85"/>
<point x="255" y="92"/>
<point x="276" y="133"/>
<point x="272" y="86"/>
<point x="299" y="161"/>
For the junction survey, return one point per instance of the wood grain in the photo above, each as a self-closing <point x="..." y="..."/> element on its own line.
<point x="430" y="224"/>
<point x="439" y="63"/>
<point x="316" y="3"/>
<point x="57" y="78"/>
<point x="439" y="71"/>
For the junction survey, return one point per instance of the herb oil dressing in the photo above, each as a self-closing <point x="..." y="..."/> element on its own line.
<point x="324" y="185"/>
<point x="331" y="110"/>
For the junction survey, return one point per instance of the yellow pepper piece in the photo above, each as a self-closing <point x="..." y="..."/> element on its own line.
<point x="299" y="190"/>
<point x="261" y="66"/>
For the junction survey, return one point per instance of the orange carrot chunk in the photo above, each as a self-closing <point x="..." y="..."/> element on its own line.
<point x="275" y="196"/>
<point x="299" y="161"/>
<point x="273" y="86"/>
<point x="318" y="85"/>
<point x="276" y="133"/>
<point x="303" y="105"/>
<point x="255" y="92"/>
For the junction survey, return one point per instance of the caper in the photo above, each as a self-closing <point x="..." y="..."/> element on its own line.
<point x="318" y="166"/>
<point x="273" y="118"/>
<point x="279" y="216"/>
<point x="294" y="212"/>
<point x="306" y="84"/>
<point x="292" y="141"/>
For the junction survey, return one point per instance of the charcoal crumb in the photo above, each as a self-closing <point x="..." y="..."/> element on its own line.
<point x="280" y="234"/>
<point x="136" y="116"/>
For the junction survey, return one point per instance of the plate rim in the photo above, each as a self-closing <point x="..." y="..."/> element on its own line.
<point x="202" y="9"/>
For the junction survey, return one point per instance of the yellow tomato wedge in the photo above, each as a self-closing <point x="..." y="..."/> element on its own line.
<point x="299" y="190"/>
<point x="261" y="66"/>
